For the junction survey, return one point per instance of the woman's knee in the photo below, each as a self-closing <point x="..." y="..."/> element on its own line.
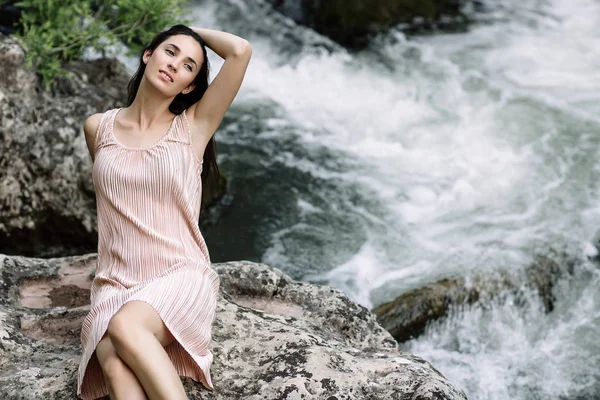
<point x="134" y="322"/>
<point x="121" y="331"/>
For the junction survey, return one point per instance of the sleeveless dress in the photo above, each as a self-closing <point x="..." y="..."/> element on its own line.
<point x="150" y="248"/>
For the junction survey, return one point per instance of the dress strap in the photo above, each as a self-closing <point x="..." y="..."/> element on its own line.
<point x="103" y="128"/>
<point x="188" y="135"/>
<point x="187" y="130"/>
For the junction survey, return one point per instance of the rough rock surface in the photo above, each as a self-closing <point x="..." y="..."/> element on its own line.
<point x="273" y="338"/>
<point x="47" y="201"/>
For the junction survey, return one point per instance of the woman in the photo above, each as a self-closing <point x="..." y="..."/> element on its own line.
<point x="153" y="297"/>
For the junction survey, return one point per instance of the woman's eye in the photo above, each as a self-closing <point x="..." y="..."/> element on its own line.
<point x="189" y="67"/>
<point x="170" y="51"/>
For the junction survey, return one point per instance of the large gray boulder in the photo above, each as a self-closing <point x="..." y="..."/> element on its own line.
<point x="273" y="338"/>
<point x="45" y="170"/>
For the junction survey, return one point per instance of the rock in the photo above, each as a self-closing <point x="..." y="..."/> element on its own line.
<point x="352" y="22"/>
<point x="594" y="252"/>
<point x="46" y="191"/>
<point x="407" y="316"/>
<point x="273" y="338"/>
<point x="45" y="176"/>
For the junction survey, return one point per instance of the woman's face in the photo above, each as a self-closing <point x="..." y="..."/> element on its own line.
<point x="174" y="64"/>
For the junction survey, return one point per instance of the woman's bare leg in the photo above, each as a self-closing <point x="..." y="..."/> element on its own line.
<point x="139" y="336"/>
<point x="120" y="379"/>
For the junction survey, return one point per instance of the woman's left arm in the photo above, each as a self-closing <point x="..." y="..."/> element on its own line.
<point x="210" y="110"/>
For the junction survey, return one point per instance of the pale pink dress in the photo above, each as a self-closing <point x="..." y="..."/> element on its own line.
<point x="150" y="248"/>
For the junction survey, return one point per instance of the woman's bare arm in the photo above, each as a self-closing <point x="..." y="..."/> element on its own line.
<point x="90" y="129"/>
<point x="208" y="113"/>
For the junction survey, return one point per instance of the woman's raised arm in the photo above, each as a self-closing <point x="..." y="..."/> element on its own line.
<point x="236" y="51"/>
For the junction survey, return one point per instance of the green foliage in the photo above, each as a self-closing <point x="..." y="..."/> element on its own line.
<point x="55" y="32"/>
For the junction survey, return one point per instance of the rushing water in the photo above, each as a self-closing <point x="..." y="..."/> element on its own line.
<point x="428" y="157"/>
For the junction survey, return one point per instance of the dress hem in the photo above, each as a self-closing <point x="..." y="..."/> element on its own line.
<point x="201" y="371"/>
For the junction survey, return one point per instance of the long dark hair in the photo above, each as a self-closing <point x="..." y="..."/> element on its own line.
<point x="210" y="169"/>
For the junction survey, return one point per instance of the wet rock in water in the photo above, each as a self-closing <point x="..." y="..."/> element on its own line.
<point x="49" y="205"/>
<point x="594" y="251"/>
<point x="352" y="22"/>
<point x="273" y="338"/>
<point x="544" y="273"/>
<point x="407" y="316"/>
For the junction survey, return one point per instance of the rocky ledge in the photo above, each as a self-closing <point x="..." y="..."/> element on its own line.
<point x="273" y="338"/>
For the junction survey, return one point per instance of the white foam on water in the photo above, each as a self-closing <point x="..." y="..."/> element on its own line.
<point x="510" y="351"/>
<point x="356" y="276"/>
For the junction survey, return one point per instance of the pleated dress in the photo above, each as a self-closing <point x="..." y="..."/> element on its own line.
<point x="150" y="248"/>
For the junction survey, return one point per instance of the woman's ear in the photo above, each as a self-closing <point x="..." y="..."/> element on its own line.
<point x="188" y="89"/>
<point x="146" y="57"/>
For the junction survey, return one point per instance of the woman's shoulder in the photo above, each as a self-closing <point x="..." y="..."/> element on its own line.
<point x="90" y="130"/>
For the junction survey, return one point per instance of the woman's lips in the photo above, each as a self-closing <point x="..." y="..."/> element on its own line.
<point x="166" y="76"/>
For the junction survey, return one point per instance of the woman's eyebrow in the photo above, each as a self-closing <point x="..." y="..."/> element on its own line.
<point x="187" y="58"/>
